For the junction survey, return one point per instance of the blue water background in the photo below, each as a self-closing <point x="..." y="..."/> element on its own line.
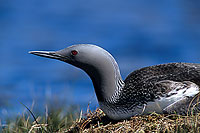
<point x="137" y="33"/>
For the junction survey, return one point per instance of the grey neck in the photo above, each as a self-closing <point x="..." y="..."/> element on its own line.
<point x="106" y="79"/>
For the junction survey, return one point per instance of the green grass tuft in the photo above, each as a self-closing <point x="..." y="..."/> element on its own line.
<point x="56" y="120"/>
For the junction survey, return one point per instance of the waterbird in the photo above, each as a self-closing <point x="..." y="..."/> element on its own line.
<point x="164" y="88"/>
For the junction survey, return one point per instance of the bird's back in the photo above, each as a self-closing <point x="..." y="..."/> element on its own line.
<point x="140" y="85"/>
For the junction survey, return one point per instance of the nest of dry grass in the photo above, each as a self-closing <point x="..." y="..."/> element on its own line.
<point x="98" y="122"/>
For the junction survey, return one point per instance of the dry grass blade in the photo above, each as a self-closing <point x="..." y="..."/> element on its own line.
<point x="191" y="102"/>
<point x="37" y="126"/>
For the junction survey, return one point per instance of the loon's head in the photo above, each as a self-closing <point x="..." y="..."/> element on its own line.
<point x="95" y="61"/>
<point x="84" y="56"/>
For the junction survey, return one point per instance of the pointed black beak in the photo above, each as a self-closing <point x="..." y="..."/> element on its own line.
<point x="48" y="54"/>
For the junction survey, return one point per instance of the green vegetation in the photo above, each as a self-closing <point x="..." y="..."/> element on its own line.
<point x="73" y="121"/>
<point x="54" y="120"/>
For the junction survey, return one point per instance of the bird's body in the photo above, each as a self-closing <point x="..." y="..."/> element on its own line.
<point x="155" y="88"/>
<point x="164" y="88"/>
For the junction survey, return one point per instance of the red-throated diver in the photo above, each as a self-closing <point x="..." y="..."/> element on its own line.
<point x="165" y="88"/>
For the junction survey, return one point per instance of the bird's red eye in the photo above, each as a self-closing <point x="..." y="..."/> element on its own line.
<point x="74" y="52"/>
